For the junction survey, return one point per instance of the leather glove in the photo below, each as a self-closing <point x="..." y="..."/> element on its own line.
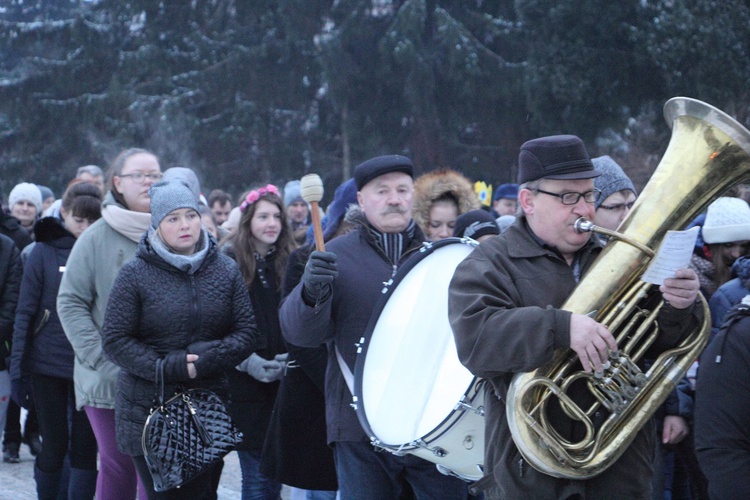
<point x="320" y="271"/>
<point x="261" y="369"/>
<point x="20" y="392"/>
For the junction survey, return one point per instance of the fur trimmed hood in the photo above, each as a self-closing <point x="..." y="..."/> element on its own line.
<point x="432" y="185"/>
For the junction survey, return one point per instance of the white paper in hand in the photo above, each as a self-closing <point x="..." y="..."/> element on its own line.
<point x="674" y="253"/>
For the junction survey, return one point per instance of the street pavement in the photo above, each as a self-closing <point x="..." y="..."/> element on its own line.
<point x="17" y="480"/>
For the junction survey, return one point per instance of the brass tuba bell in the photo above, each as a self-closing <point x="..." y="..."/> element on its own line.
<point x="708" y="152"/>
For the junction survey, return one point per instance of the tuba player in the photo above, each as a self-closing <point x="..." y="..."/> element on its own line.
<point x="504" y="310"/>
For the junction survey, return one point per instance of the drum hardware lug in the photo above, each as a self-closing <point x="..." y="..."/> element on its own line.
<point x="469" y="443"/>
<point x="354" y="404"/>
<point x="437" y="451"/>
<point x="386" y="285"/>
<point x="358" y="345"/>
<point x="461" y="406"/>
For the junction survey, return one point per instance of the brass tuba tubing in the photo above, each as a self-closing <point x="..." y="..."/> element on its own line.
<point x="708" y="152"/>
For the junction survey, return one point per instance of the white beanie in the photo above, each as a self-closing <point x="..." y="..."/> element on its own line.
<point x="292" y="192"/>
<point x="26" y="191"/>
<point x="727" y="220"/>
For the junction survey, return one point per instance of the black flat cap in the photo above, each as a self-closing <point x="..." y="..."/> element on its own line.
<point x="380" y="165"/>
<point x="555" y="157"/>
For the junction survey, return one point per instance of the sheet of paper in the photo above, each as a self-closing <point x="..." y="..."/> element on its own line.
<point x="674" y="253"/>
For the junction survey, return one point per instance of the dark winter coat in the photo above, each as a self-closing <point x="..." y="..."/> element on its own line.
<point x="722" y="406"/>
<point x="504" y="302"/>
<point x="300" y="411"/>
<point x="10" y="283"/>
<point x="252" y="400"/>
<point x="10" y="227"/>
<point x="157" y="311"/>
<point x="730" y="293"/>
<point x="342" y="318"/>
<point x="39" y="342"/>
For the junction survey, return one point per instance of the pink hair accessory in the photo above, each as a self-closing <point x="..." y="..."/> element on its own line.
<point x="256" y="194"/>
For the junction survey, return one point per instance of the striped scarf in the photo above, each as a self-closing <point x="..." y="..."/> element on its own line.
<point x="393" y="244"/>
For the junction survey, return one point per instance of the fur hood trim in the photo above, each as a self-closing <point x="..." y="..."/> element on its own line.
<point x="432" y="185"/>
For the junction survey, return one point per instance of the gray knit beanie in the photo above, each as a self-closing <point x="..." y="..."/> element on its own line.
<point x="167" y="196"/>
<point x="612" y="180"/>
<point x="185" y="175"/>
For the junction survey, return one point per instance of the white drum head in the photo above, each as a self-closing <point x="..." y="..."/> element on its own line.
<point x="411" y="378"/>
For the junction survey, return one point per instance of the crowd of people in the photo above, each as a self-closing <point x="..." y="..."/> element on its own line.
<point x="138" y="268"/>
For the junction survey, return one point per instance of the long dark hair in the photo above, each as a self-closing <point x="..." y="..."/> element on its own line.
<point x="115" y="168"/>
<point x="243" y="244"/>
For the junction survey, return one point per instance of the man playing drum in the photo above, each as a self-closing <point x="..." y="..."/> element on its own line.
<point x="333" y="304"/>
<point x="504" y="310"/>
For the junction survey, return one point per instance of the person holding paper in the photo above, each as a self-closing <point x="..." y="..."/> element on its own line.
<point x="504" y="303"/>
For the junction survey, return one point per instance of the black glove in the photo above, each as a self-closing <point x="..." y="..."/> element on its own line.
<point x="175" y="367"/>
<point x="20" y="392"/>
<point x="320" y="271"/>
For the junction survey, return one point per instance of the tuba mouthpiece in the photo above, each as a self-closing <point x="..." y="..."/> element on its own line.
<point x="583" y="225"/>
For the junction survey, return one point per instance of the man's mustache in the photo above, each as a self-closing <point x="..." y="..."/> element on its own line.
<point x="393" y="210"/>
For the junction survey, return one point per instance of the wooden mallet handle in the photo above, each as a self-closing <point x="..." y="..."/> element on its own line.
<point x="311" y="189"/>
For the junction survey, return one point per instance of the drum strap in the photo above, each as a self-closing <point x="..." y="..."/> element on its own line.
<point x="345" y="371"/>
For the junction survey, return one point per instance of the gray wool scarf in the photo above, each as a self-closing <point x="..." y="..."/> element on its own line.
<point x="187" y="263"/>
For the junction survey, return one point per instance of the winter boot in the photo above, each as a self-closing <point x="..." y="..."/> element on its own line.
<point x="82" y="484"/>
<point x="10" y="453"/>
<point x="47" y="483"/>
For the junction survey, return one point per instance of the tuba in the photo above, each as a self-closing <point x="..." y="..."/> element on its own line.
<point x="707" y="153"/>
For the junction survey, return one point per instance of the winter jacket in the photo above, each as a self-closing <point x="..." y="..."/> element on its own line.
<point x="156" y="311"/>
<point x="722" y="406"/>
<point x="92" y="267"/>
<point x="252" y="400"/>
<point x="730" y="293"/>
<point x="503" y="308"/>
<point x="10" y="227"/>
<point x="343" y="317"/>
<point x="39" y="342"/>
<point x="299" y="410"/>
<point x="10" y="283"/>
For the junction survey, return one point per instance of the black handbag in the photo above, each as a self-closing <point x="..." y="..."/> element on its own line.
<point x="185" y="435"/>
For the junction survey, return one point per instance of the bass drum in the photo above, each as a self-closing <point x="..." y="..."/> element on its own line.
<point x="412" y="394"/>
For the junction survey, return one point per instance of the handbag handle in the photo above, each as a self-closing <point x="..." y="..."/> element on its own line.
<point x="159" y="381"/>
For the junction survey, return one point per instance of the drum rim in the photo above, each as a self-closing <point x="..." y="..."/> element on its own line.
<point x="427" y="249"/>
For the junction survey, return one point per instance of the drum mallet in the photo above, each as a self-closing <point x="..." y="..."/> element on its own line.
<point x="311" y="189"/>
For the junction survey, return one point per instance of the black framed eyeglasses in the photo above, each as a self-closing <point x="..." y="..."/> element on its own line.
<point x="618" y="207"/>
<point x="139" y="177"/>
<point x="571" y="197"/>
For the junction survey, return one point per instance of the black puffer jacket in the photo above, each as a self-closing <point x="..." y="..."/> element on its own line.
<point x="156" y="311"/>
